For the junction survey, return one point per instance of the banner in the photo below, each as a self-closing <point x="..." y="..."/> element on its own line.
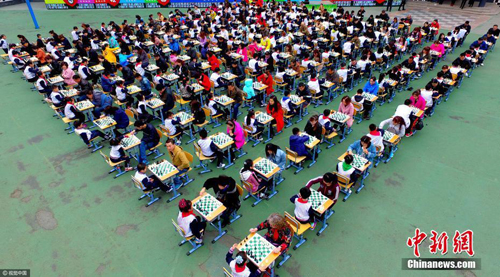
<point x="124" y="4"/>
<point x="141" y="4"/>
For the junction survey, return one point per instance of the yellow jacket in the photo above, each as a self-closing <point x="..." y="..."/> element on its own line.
<point x="109" y="55"/>
<point x="266" y="44"/>
<point x="178" y="158"/>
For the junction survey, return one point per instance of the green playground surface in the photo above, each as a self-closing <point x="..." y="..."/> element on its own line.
<point x="63" y="215"/>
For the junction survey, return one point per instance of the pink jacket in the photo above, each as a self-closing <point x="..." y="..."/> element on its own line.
<point x="420" y="103"/>
<point x="244" y="52"/>
<point x="349" y="110"/>
<point x="239" y="135"/>
<point x="67" y="75"/>
<point x="439" y="48"/>
<point x="254" y="47"/>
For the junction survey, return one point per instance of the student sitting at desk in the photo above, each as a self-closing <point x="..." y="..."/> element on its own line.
<point x="209" y="149"/>
<point x="106" y="83"/>
<point x="314" y="128"/>
<point x="324" y="120"/>
<point x="304" y="93"/>
<point x="122" y="94"/>
<point x="145" y="86"/>
<point x="278" y="232"/>
<point x="215" y="109"/>
<point x="226" y="191"/>
<point x="191" y="224"/>
<point x="252" y="123"/>
<point x="121" y="118"/>
<point x="117" y="154"/>
<point x="395" y="125"/>
<point x="297" y="144"/>
<point x="363" y="148"/>
<point x="217" y="79"/>
<point x="247" y="174"/>
<point x="276" y="111"/>
<point x="151" y="182"/>
<point x="418" y="101"/>
<point x="173" y="124"/>
<point x="345" y="169"/>
<point x="86" y="134"/>
<point x="240" y="267"/>
<point x="304" y="212"/>
<point x="376" y="135"/>
<point x="328" y="186"/>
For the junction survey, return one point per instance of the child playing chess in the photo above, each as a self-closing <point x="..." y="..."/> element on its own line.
<point x="376" y="135"/>
<point x="346" y="169"/>
<point x="209" y="149"/>
<point x="71" y="112"/>
<point x="364" y="148"/>
<point x="240" y="266"/>
<point x="122" y="94"/>
<point x="214" y="108"/>
<point x="276" y="155"/>
<point x="253" y="124"/>
<point x="173" y="124"/>
<point x="325" y="121"/>
<point x="247" y="174"/>
<point x="304" y="212"/>
<point x="86" y="134"/>
<point x="328" y="185"/>
<point x="189" y="222"/>
<point x="297" y="144"/>
<point x="117" y="154"/>
<point x="287" y="104"/>
<point x="278" y="232"/>
<point x="149" y="182"/>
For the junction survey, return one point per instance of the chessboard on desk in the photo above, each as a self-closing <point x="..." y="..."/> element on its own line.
<point x="208" y="206"/>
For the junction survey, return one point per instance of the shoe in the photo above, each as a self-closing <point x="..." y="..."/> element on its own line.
<point x="170" y="188"/>
<point x="221" y="166"/>
<point x="225" y="223"/>
<point x="409" y="135"/>
<point x="313" y="226"/>
<point x="349" y="191"/>
<point x="198" y="241"/>
<point x="129" y="168"/>
<point x="482" y="64"/>
<point x="263" y="195"/>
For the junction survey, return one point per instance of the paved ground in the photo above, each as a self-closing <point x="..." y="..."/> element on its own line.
<point x="64" y="215"/>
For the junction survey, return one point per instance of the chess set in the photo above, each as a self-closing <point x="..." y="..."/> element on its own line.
<point x="339" y="117"/>
<point x="327" y="84"/>
<point x="388" y="135"/>
<point x="415" y="110"/>
<point x="205" y="65"/>
<point x="97" y="68"/>
<point x="207" y="205"/>
<point x="262" y="64"/>
<point x="311" y="139"/>
<point x="155" y="102"/>
<point x="172" y="77"/>
<point x="317" y="199"/>
<point x="56" y="80"/>
<point x="228" y="75"/>
<point x="129" y="141"/>
<point x="447" y="81"/>
<point x="263" y="117"/>
<point x="258" y="85"/>
<point x="133" y="89"/>
<point x="257" y="248"/>
<point x="358" y="162"/>
<point x="196" y="86"/>
<point x="184" y="58"/>
<point x="435" y="53"/>
<point x="166" y="50"/>
<point x="295" y="99"/>
<point x="368" y="96"/>
<point x="215" y="49"/>
<point x="265" y="166"/>
<point x="223" y="99"/>
<point x="82" y="105"/>
<point x="152" y="67"/>
<point x="162" y="168"/>
<point x="290" y="72"/>
<point x="221" y="139"/>
<point x="69" y="92"/>
<point x="183" y="116"/>
<point x="235" y="55"/>
<point x="116" y="78"/>
<point x="45" y="68"/>
<point x="105" y="122"/>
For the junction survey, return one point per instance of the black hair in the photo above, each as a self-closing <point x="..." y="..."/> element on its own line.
<point x="203" y="133"/>
<point x="295" y="131"/>
<point x="305" y="193"/>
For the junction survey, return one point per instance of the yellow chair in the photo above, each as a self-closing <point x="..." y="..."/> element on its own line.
<point x="185" y="239"/>
<point x="345" y="185"/>
<point x="255" y="195"/>
<point x="145" y="192"/>
<point x="115" y="166"/>
<point x="298" y="229"/>
<point x="294" y="160"/>
<point x="202" y="158"/>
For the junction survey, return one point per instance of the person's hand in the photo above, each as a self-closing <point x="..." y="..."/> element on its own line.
<point x="349" y="152"/>
<point x="277" y="250"/>
<point x="262" y="268"/>
<point x="365" y="151"/>
<point x="151" y="179"/>
<point x="253" y="230"/>
<point x="233" y="247"/>
<point x="202" y="191"/>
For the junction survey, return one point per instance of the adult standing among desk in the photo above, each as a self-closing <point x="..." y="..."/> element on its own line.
<point x="179" y="160"/>
<point x="149" y="139"/>
<point x="402" y="5"/>
<point x="389" y="5"/>
<point x="462" y="5"/>
<point x="226" y="191"/>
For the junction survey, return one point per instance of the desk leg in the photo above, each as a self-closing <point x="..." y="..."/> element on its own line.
<point x="161" y="117"/>
<point x="219" y="229"/>
<point x="269" y="126"/>
<point x="314" y="157"/>
<point x="229" y="162"/>
<point x="192" y="138"/>
<point x="324" y="225"/>
<point x="91" y="118"/>
<point x="362" y="181"/>
<point x="176" y="194"/>
<point x="274" y="191"/>
<point x="300" y="114"/>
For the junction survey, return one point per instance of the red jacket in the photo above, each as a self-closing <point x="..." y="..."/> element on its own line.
<point x="268" y="82"/>
<point x="214" y="62"/>
<point x="277" y="115"/>
<point x="205" y="82"/>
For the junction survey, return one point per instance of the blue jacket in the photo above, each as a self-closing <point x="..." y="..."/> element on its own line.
<point x="482" y="46"/>
<point x="297" y="144"/>
<point x="145" y="85"/>
<point x="107" y="84"/>
<point x="279" y="159"/>
<point x="121" y="119"/>
<point x="358" y="149"/>
<point x="371" y="89"/>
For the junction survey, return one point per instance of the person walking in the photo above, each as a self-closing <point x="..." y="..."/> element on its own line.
<point x="389" y="5"/>
<point x="402" y="5"/>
